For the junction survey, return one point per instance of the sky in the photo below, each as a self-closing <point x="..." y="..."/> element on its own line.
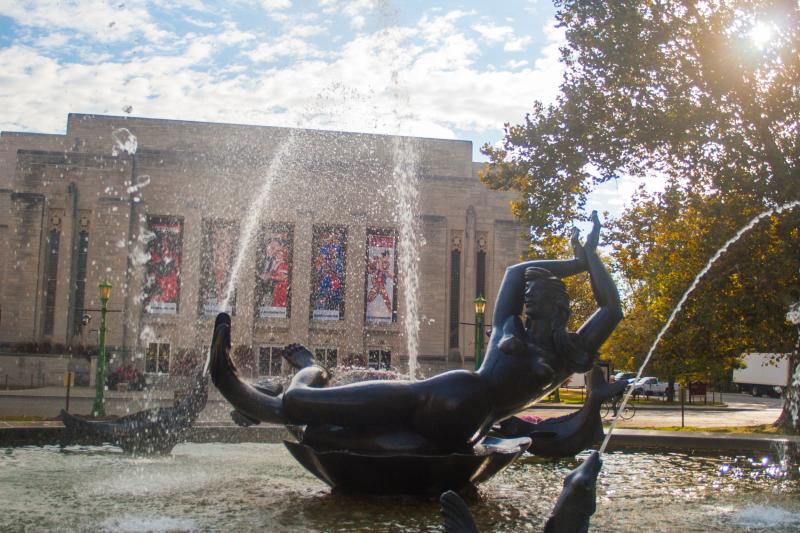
<point x="446" y="69"/>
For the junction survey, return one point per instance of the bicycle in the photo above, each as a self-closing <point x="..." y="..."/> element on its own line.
<point x="607" y="408"/>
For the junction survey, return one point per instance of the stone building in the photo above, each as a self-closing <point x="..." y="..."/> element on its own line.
<point x="161" y="209"/>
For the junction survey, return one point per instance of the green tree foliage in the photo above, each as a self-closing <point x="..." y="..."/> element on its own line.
<point x="706" y="95"/>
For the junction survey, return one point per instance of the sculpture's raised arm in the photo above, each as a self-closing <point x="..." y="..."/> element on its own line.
<point x="511" y="295"/>
<point x="600" y="325"/>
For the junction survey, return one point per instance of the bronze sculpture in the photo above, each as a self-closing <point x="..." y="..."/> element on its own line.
<point x="453" y="411"/>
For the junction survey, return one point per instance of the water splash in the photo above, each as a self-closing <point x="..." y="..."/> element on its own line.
<point x="765" y="516"/>
<point x="755" y="220"/>
<point x="254" y="214"/>
<point x="406" y="183"/>
<point x="124" y="141"/>
<point x="141" y="182"/>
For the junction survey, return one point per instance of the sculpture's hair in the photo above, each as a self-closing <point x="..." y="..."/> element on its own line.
<point x="565" y="343"/>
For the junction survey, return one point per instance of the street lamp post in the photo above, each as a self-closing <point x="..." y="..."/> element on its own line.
<point x="100" y="376"/>
<point x="480" y="307"/>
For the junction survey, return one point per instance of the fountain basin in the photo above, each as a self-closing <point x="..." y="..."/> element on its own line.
<point x="431" y="475"/>
<point x="261" y="487"/>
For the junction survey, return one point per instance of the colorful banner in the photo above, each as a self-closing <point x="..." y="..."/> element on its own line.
<point x="163" y="268"/>
<point x="327" y="273"/>
<point x="274" y="272"/>
<point x="381" y="302"/>
<point x="220" y="243"/>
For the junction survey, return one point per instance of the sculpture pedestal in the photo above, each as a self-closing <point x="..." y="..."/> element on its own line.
<point x="381" y="473"/>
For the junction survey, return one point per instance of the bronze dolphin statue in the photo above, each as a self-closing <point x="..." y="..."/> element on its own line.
<point x="152" y="431"/>
<point x="574" y="507"/>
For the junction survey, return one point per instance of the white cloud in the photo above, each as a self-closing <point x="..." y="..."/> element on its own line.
<point x="422" y="79"/>
<point x="517" y="45"/>
<point x="282" y="47"/>
<point x="306" y="30"/>
<point x="358" y="22"/>
<point x="53" y="40"/>
<point x="493" y="33"/>
<point x="515" y="64"/>
<point x="276" y="5"/>
<point x="99" y="20"/>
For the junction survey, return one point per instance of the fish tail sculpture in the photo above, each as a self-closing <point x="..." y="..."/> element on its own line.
<point x="457" y="518"/>
<point x="568" y="435"/>
<point x="254" y="404"/>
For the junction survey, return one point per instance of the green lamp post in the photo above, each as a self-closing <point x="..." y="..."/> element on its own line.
<point x="100" y="376"/>
<point x="480" y="307"/>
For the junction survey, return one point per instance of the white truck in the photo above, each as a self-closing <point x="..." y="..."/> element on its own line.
<point x="763" y="373"/>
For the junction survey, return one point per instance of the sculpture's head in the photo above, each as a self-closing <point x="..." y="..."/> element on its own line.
<point x="546" y="296"/>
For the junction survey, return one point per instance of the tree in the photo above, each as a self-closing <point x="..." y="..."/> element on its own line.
<point x="683" y="90"/>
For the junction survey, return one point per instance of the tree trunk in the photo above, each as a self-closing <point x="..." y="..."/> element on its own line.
<point x="670" y="392"/>
<point x="791" y="397"/>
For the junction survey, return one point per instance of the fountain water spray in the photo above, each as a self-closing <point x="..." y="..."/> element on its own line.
<point x="250" y="227"/>
<point x="406" y="183"/>
<point x="755" y="220"/>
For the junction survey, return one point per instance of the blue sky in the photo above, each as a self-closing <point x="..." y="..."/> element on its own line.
<point x="453" y="69"/>
<point x="437" y="69"/>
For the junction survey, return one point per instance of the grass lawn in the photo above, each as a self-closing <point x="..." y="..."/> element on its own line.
<point x="762" y="428"/>
<point x="22" y="418"/>
<point x="576" y="397"/>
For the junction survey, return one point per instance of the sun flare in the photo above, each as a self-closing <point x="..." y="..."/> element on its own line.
<point x="761" y="34"/>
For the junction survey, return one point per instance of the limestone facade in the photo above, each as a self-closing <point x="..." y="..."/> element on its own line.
<point x="77" y="209"/>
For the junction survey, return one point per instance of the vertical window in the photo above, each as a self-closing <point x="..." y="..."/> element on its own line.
<point x="380" y="359"/>
<point x="80" y="281"/>
<point x="480" y="274"/>
<point x="326" y="357"/>
<point x="157" y="358"/>
<point x="53" y="239"/>
<point x="455" y="295"/>
<point x="270" y="359"/>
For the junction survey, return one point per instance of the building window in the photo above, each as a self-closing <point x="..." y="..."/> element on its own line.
<point x="455" y="295"/>
<point x="80" y="281"/>
<point x="326" y="357"/>
<point x="53" y="240"/>
<point x="380" y="359"/>
<point x="270" y="360"/>
<point x="157" y="358"/>
<point x="480" y="274"/>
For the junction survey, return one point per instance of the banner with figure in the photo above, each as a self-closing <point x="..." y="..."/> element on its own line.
<point x="327" y="273"/>
<point x="381" y="301"/>
<point x="163" y="268"/>
<point x="274" y="272"/>
<point x="220" y="244"/>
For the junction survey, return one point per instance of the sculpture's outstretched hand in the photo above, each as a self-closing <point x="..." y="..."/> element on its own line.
<point x="577" y="248"/>
<point x="590" y="246"/>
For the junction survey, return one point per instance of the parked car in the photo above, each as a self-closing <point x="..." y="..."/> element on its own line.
<point x="652" y="386"/>
<point x="627" y="376"/>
